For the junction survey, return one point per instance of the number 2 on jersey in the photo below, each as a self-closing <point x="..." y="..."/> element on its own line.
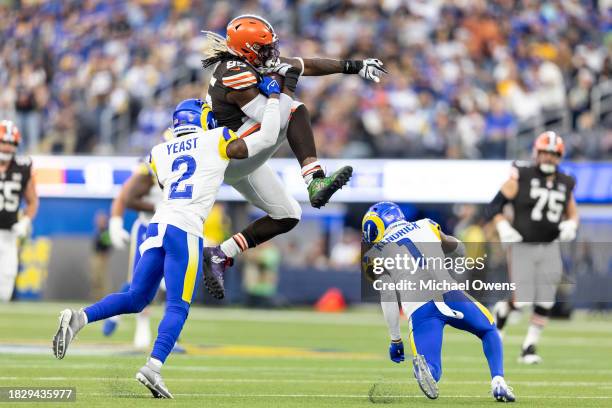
<point x="186" y="190"/>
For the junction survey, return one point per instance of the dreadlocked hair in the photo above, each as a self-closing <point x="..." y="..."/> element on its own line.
<point x="215" y="50"/>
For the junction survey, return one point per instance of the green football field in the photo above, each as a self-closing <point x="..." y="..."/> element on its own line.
<point x="246" y="358"/>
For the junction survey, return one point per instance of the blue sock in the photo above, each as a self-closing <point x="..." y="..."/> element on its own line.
<point x="125" y="287"/>
<point x="169" y="331"/>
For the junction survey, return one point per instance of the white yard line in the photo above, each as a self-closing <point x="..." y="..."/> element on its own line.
<point x="221" y="395"/>
<point x="110" y="366"/>
<point x="603" y="384"/>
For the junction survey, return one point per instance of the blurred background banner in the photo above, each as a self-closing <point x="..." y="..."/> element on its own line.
<point x="416" y="181"/>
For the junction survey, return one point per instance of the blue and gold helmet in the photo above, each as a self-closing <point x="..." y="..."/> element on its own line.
<point x="192" y="113"/>
<point x="378" y="218"/>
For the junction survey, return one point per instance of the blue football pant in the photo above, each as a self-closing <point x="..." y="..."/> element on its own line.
<point x="427" y="327"/>
<point x="173" y="254"/>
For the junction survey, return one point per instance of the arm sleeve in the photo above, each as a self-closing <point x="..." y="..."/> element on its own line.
<point x="255" y="109"/>
<point x="270" y="128"/>
<point x="391" y="312"/>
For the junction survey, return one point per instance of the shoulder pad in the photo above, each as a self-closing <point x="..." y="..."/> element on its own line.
<point x="517" y="167"/>
<point x="521" y="163"/>
<point x="238" y="75"/>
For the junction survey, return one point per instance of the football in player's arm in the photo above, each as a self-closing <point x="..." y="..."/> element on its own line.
<point x="16" y="185"/>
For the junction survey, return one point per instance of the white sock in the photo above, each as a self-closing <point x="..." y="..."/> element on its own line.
<point x="533" y="335"/>
<point x="142" y="334"/>
<point x="497" y="378"/>
<point x="310" y="169"/>
<point x="84" y="316"/>
<point x="234" y="245"/>
<point x="155" y="364"/>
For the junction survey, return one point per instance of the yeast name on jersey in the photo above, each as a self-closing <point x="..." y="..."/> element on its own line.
<point x="182" y="146"/>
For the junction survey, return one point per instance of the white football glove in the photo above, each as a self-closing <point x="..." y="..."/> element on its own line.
<point x="280" y="68"/>
<point x="22" y="227"/>
<point x="567" y="230"/>
<point x="119" y="237"/>
<point x="507" y="234"/>
<point x="372" y="69"/>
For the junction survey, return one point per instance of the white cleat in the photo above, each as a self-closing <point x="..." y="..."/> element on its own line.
<point x="153" y="381"/>
<point x="422" y="373"/>
<point x="501" y="391"/>
<point x="70" y="323"/>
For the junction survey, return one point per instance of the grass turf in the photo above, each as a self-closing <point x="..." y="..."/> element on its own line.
<point x="298" y="358"/>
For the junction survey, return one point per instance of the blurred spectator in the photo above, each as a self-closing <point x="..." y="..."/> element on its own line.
<point x="500" y="126"/>
<point x="347" y="252"/>
<point x="464" y="76"/>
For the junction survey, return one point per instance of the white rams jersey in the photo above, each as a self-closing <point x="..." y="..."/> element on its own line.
<point x="190" y="170"/>
<point x="421" y="243"/>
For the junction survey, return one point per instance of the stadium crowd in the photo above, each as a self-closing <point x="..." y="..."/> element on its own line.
<point x="467" y="78"/>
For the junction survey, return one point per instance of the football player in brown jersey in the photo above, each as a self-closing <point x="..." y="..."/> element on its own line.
<point x="237" y="95"/>
<point x="16" y="183"/>
<point x="545" y="213"/>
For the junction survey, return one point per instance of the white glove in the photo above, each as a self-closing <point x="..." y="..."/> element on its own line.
<point x="372" y="69"/>
<point x="280" y="68"/>
<point x="118" y="236"/>
<point x="22" y="227"/>
<point x="567" y="230"/>
<point x="507" y="234"/>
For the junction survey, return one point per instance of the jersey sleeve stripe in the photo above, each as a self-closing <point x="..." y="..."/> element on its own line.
<point x="239" y="76"/>
<point x="239" y="80"/>
<point x="243" y="85"/>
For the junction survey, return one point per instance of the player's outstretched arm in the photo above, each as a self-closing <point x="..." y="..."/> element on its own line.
<point x="370" y="68"/>
<point x="253" y="103"/>
<point x="265" y="138"/>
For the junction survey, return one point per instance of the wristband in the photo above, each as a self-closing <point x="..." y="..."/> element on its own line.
<point x="351" y="66"/>
<point x="291" y="78"/>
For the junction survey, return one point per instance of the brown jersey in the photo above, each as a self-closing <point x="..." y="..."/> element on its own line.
<point x="540" y="203"/>
<point x="13" y="183"/>
<point x="230" y="75"/>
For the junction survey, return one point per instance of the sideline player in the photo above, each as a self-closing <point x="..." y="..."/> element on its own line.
<point x="545" y="212"/>
<point x="16" y="183"/>
<point x="251" y="47"/>
<point x="190" y="170"/>
<point x="385" y="227"/>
